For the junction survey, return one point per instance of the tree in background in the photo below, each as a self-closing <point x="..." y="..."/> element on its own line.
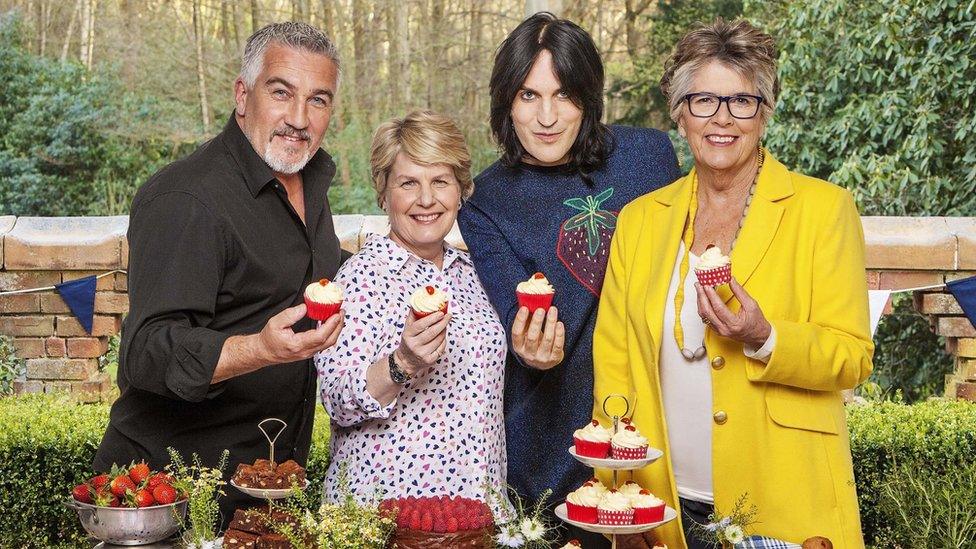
<point x="64" y="148"/>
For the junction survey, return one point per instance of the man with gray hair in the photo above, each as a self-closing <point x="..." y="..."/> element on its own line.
<point x="222" y="244"/>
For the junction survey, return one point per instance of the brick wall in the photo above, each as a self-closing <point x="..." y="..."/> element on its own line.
<point x="902" y="252"/>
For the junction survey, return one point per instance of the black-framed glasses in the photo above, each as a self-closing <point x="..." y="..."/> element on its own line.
<point x="741" y="105"/>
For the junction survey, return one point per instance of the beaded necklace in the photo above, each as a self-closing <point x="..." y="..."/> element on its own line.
<point x="688" y="238"/>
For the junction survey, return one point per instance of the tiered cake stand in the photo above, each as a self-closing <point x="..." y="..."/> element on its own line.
<point x="616" y="465"/>
<point x="268" y="493"/>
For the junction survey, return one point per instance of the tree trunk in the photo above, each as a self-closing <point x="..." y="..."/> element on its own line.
<point x="474" y="42"/>
<point x="71" y="30"/>
<point x="360" y="12"/>
<point x="633" y="35"/>
<point x="254" y="16"/>
<point x="403" y="50"/>
<point x="201" y="67"/>
<point x="86" y="17"/>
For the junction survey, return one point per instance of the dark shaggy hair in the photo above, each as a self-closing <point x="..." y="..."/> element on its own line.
<point x="580" y="72"/>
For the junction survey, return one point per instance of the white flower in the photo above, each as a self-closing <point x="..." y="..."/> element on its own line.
<point x="711" y="526"/>
<point x="532" y="529"/>
<point x="509" y="537"/>
<point x="734" y="534"/>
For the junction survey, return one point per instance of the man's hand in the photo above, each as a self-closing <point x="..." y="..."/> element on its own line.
<point x="540" y="346"/>
<point x="423" y="342"/>
<point x="278" y="343"/>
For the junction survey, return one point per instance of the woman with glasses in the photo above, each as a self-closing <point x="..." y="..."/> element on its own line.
<point x="739" y="382"/>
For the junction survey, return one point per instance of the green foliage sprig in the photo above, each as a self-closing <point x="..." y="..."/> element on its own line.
<point x="202" y="485"/>
<point x="728" y="530"/>
<point x="11" y="366"/>
<point x="931" y="509"/>
<point x="346" y="524"/>
<point x="521" y="525"/>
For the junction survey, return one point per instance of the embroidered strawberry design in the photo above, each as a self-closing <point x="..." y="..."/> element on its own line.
<point x="584" y="240"/>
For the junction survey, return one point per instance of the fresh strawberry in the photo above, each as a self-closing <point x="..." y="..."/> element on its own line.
<point x="105" y="498"/>
<point x="427" y="522"/>
<point x="98" y="481"/>
<point x="157" y="479"/>
<point x="121" y="484"/>
<point x="415" y="520"/>
<point x="82" y="493"/>
<point x="139" y="472"/>
<point x="140" y="498"/>
<point x="164" y="494"/>
<point x="584" y="240"/>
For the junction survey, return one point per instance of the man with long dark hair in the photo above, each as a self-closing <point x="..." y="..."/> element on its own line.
<point x="549" y="205"/>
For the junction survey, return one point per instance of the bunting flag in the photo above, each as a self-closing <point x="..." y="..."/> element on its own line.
<point x="79" y="295"/>
<point x="964" y="291"/>
<point x="877" y="300"/>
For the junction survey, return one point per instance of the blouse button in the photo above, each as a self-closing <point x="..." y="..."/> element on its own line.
<point x="720" y="417"/>
<point x="718" y="362"/>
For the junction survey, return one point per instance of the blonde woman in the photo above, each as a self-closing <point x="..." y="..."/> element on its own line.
<point x="416" y="404"/>
<point x="741" y="383"/>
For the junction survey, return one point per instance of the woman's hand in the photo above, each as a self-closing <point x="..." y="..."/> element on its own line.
<point x="539" y="341"/>
<point x="424" y="340"/>
<point x="748" y="326"/>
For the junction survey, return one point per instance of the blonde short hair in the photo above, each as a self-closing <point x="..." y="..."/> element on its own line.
<point x="426" y="138"/>
<point x="739" y="46"/>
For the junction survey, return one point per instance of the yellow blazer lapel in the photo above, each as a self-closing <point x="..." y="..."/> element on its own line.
<point x="664" y="237"/>
<point x="762" y="221"/>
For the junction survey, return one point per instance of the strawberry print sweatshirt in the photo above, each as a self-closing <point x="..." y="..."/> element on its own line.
<point x="532" y="219"/>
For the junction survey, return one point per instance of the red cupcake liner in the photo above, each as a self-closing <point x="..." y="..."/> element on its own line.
<point x="534" y="301"/>
<point x="581" y="513"/>
<point x="321" y="311"/>
<point x="714" y="277"/>
<point x="647" y="515"/>
<point x="619" y="452"/>
<point x="591" y="449"/>
<point x="615" y="518"/>
<point x="418" y="315"/>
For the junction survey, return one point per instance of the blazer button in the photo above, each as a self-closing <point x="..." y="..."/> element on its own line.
<point x="718" y="362"/>
<point x="720" y="417"/>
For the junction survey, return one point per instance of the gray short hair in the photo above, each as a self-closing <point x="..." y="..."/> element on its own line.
<point x="739" y="46"/>
<point x="292" y="34"/>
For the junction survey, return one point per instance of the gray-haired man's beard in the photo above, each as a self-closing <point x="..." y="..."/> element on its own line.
<point x="280" y="165"/>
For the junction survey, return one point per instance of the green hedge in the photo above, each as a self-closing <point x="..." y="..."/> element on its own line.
<point x="47" y="445"/>
<point x="934" y="435"/>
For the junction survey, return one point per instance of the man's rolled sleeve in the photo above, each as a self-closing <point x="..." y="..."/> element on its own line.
<point x="177" y="254"/>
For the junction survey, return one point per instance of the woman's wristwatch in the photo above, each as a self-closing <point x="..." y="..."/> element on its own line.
<point x="396" y="373"/>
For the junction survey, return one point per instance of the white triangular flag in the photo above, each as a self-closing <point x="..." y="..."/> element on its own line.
<point x="877" y="299"/>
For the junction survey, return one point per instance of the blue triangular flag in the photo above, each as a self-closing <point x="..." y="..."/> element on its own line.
<point x="964" y="291"/>
<point x="80" y="296"/>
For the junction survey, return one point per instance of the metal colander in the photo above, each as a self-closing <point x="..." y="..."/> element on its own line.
<point x="124" y="526"/>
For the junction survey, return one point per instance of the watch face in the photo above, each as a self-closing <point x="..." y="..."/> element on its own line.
<point x="396" y="374"/>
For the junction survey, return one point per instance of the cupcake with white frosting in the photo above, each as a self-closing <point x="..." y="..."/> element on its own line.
<point x="593" y="440"/>
<point x="628" y="443"/>
<point x="615" y="510"/>
<point x="428" y="300"/>
<point x="647" y="507"/>
<point x="572" y="544"/>
<point x="581" y="503"/>
<point x="323" y="299"/>
<point x="713" y="269"/>
<point x="630" y="488"/>
<point x="535" y="293"/>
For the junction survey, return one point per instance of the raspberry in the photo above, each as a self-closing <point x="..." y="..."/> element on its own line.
<point x="426" y="522"/>
<point x="452" y="524"/>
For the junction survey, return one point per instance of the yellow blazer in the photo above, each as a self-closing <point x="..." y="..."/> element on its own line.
<point x="800" y="254"/>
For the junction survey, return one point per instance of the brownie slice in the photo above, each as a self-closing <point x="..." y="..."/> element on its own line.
<point x="235" y="539"/>
<point x="273" y="541"/>
<point x="248" y="520"/>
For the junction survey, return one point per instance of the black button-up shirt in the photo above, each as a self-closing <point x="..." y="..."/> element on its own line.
<point x="215" y="250"/>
